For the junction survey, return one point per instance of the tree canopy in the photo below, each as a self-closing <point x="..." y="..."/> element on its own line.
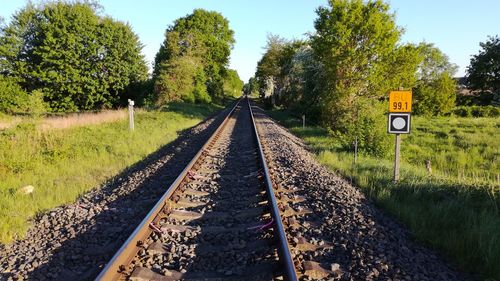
<point x="232" y="84"/>
<point x="483" y="73"/>
<point x="353" y="41"/>
<point x="435" y="90"/>
<point x="206" y="38"/>
<point x="78" y="59"/>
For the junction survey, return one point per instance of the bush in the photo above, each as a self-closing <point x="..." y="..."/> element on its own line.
<point x="492" y="111"/>
<point x="462" y="111"/>
<point x="35" y="104"/>
<point x="370" y="129"/>
<point x="12" y="97"/>
<point x="476" y="111"/>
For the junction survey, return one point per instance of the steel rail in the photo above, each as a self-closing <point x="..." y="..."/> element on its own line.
<point x="284" y="248"/>
<point x="113" y="269"/>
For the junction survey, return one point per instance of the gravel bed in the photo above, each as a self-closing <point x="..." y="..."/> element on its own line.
<point x="73" y="242"/>
<point x="365" y="243"/>
<point x="220" y="239"/>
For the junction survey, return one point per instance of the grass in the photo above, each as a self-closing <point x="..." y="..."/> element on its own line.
<point x="454" y="210"/>
<point x="82" y="119"/>
<point x="64" y="121"/>
<point x="63" y="164"/>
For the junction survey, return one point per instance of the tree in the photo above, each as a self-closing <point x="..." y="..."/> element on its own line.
<point x="483" y="73"/>
<point x="251" y="88"/>
<point x="181" y="78"/>
<point x="78" y="59"/>
<point x="274" y="68"/>
<point x="304" y="87"/>
<point x="435" y="90"/>
<point x="232" y="84"/>
<point x="205" y="36"/>
<point x="268" y="68"/>
<point x="12" y="96"/>
<point x="354" y="41"/>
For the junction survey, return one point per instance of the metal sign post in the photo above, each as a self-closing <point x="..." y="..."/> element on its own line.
<point x="131" y="114"/>
<point x="396" y="157"/>
<point x="399" y="122"/>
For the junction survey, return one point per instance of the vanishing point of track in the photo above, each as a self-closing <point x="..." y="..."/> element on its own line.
<point x="219" y="220"/>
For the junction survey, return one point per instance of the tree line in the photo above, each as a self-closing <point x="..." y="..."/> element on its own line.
<point x="341" y="75"/>
<point x="66" y="56"/>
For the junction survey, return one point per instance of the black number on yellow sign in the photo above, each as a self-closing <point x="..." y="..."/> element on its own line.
<point x="399" y="105"/>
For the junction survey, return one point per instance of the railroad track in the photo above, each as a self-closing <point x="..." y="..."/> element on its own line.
<point x="219" y="220"/>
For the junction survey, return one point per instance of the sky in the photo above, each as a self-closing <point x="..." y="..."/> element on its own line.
<point x="454" y="26"/>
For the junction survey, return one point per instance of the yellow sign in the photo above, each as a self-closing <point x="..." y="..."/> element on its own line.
<point x="400" y="101"/>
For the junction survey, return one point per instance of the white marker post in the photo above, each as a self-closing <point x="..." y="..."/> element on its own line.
<point x="399" y="122"/>
<point x="131" y="114"/>
<point x="303" y="121"/>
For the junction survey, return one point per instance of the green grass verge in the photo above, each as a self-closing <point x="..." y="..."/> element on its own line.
<point x="62" y="164"/>
<point x="456" y="209"/>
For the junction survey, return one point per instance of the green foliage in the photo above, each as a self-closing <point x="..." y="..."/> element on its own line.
<point x="289" y="75"/>
<point x="52" y="160"/>
<point x="483" y="73"/>
<point x="369" y="127"/>
<point x="455" y="209"/>
<point x="436" y="97"/>
<point x="355" y="42"/>
<point x="142" y="92"/>
<point x="203" y="40"/>
<point x="251" y="88"/>
<point x="399" y="70"/>
<point x="304" y="85"/>
<point x="476" y="111"/>
<point x="79" y="60"/>
<point x="181" y="78"/>
<point x="269" y="64"/>
<point x="12" y="97"/>
<point x="435" y="91"/>
<point x="35" y="104"/>
<point x="232" y="84"/>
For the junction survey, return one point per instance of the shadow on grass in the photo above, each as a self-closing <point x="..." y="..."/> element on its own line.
<point x="198" y="110"/>
<point x="190" y="109"/>
<point x="460" y="221"/>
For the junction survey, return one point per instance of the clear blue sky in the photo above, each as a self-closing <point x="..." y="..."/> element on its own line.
<point x="455" y="26"/>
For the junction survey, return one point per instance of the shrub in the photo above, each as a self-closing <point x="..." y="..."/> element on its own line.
<point x="462" y="111"/>
<point x="35" y="104"/>
<point x="12" y="97"/>
<point x="476" y="111"/>
<point x="369" y="127"/>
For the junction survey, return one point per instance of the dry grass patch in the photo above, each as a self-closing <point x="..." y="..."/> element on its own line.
<point x="82" y="119"/>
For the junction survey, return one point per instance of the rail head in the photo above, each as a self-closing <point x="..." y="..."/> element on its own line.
<point x="113" y="269"/>
<point x="284" y="247"/>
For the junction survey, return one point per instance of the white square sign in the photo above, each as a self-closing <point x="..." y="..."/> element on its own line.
<point x="399" y="123"/>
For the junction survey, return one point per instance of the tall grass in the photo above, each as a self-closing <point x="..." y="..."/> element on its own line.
<point x="82" y="119"/>
<point x="62" y="164"/>
<point x="456" y="208"/>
